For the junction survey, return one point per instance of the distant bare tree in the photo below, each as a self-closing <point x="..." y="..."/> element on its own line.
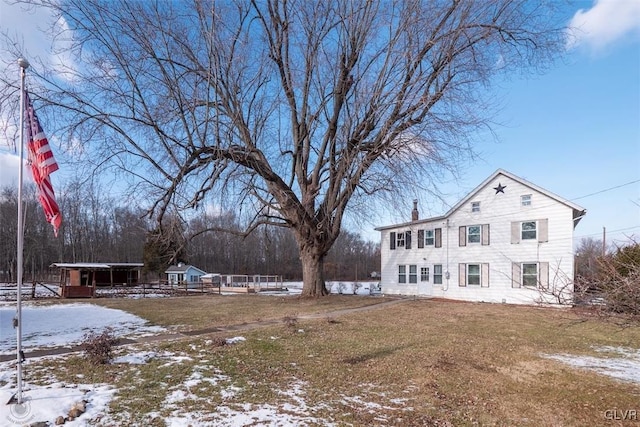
<point x="614" y="290"/>
<point x="587" y="260"/>
<point x="291" y="111"/>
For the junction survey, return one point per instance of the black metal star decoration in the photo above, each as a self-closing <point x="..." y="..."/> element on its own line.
<point x="500" y="188"/>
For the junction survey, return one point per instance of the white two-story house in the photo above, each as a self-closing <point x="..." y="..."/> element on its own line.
<point x="508" y="241"/>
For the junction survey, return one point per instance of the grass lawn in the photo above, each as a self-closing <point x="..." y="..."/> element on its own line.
<point x="201" y="312"/>
<point x="419" y="362"/>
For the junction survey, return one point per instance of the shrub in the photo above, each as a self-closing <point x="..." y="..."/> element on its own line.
<point x="291" y="321"/>
<point x="98" y="348"/>
<point x="218" y="342"/>
<point x="615" y="291"/>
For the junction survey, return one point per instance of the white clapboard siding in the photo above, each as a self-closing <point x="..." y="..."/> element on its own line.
<point x="500" y="250"/>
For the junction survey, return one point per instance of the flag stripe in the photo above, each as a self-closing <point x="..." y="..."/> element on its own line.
<point x="42" y="164"/>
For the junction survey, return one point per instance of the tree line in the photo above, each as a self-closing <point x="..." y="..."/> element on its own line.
<point x="97" y="229"/>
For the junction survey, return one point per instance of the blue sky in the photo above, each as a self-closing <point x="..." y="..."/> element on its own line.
<point x="574" y="130"/>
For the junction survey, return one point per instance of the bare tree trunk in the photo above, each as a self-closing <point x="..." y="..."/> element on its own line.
<point x="312" y="272"/>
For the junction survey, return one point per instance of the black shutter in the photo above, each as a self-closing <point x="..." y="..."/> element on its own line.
<point x="438" y="237"/>
<point x="407" y="244"/>
<point x="420" y="238"/>
<point x="392" y="241"/>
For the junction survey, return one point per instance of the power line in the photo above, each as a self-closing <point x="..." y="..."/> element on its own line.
<point x="608" y="232"/>
<point x="606" y="189"/>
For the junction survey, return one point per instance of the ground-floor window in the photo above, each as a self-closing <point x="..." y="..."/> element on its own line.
<point x="473" y="274"/>
<point x="413" y="274"/>
<point x="530" y="274"/>
<point x="402" y="274"/>
<point x="437" y="274"/>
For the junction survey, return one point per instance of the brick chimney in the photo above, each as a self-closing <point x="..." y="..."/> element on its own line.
<point x="414" y="212"/>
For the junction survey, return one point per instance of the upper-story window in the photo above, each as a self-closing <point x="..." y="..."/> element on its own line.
<point x="429" y="238"/>
<point x="529" y="230"/>
<point x="537" y="230"/>
<point x="475" y="206"/>
<point x="473" y="234"/>
<point x="400" y="239"/>
<point x="525" y="200"/>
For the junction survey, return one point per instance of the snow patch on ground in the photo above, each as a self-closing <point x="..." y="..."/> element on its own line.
<point x="293" y="412"/>
<point x="625" y="365"/>
<point x="235" y="340"/>
<point x="49" y="402"/>
<point x="52" y="400"/>
<point x="66" y="324"/>
<point x="139" y="358"/>
<point x="337" y="287"/>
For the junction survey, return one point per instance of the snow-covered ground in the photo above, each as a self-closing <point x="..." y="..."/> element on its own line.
<point x="622" y="363"/>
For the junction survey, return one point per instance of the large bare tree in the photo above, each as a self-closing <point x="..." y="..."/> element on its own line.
<point x="291" y="112"/>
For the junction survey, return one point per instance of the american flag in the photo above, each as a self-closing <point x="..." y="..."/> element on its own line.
<point x="42" y="164"/>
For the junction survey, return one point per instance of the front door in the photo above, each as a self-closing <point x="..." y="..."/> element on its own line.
<point x="424" y="282"/>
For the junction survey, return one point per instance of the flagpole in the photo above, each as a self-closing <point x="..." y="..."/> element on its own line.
<point x="24" y="64"/>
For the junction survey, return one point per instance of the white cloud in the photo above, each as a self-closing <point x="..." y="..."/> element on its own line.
<point x="27" y="26"/>
<point x="27" y="33"/>
<point x="9" y="170"/>
<point x="607" y="22"/>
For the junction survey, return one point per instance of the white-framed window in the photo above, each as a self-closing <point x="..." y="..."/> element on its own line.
<point x="529" y="230"/>
<point x="473" y="233"/>
<point x="400" y="240"/>
<point x="525" y="200"/>
<point x="413" y="274"/>
<point x="473" y="274"/>
<point x="530" y="274"/>
<point x="429" y="238"/>
<point x="475" y="207"/>
<point x="402" y="274"/>
<point x="424" y="274"/>
<point x="536" y="230"/>
<point x="437" y="274"/>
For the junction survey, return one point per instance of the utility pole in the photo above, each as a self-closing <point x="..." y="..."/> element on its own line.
<point x="604" y="241"/>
